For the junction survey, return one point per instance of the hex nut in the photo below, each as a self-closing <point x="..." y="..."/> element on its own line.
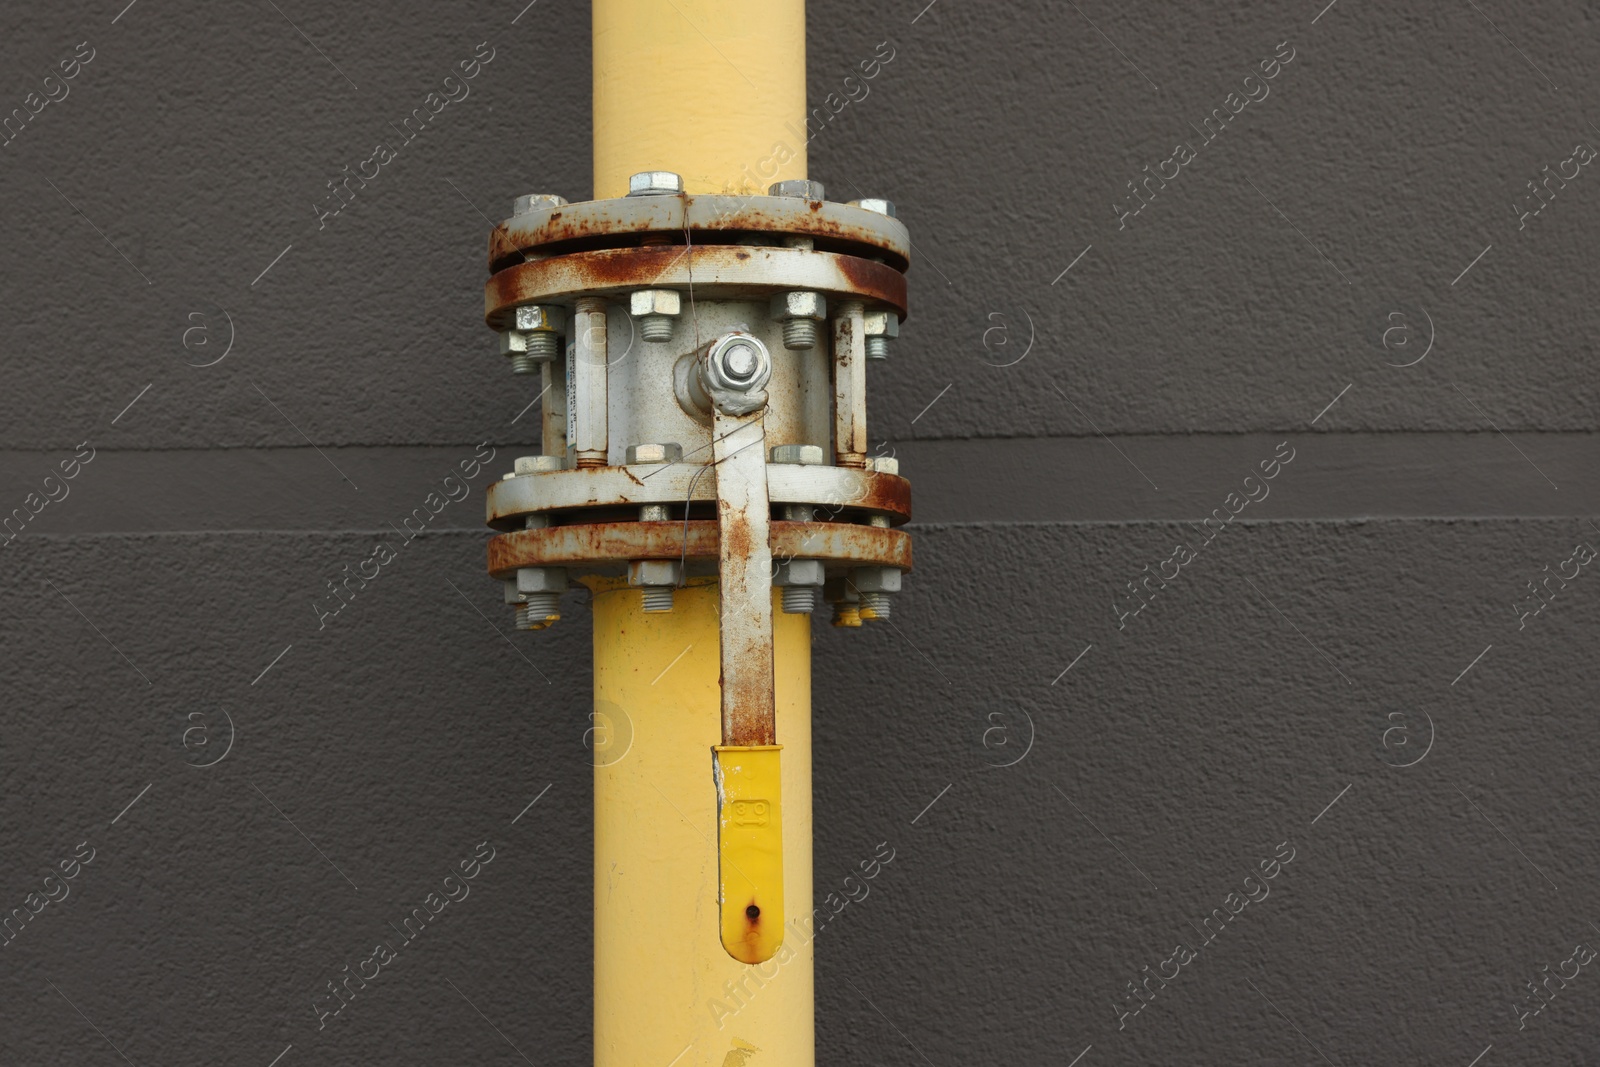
<point x="881" y="324"/>
<point x="536" y="464"/>
<point x="665" y="453"/>
<point x="797" y="187"/>
<point x="810" y="455"/>
<point x="876" y="579"/>
<point x="654" y="302"/>
<point x="654" y="572"/>
<point x="884" y="465"/>
<point x="882" y="207"/>
<point x="513" y="343"/>
<point x="540" y="317"/>
<point x="799" y="305"/>
<point x="734" y="372"/>
<point x="541" y="580"/>
<point x="799" y="572"/>
<point x="654" y="183"/>
<point x="537" y="202"/>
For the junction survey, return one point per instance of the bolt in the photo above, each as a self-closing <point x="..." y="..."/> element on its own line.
<point x="740" y="362"/>
<point x="876" y="587"/>
<point x="534" y="337"/>
<point x="654" y="310"/>
<point x="654" y="183"/>
<point x="874" y="606"/>
<point x="797" y="187"/>
<point x="845" y="601"/>
<point x="655" y="513"/>
<point x="536" y="595"/>
<point x="799" y="313"/>
<point x="880" y="328"/>
<point x="880" y="521"/>
<point x="664" y="453"/>
<point x="537" y="202"/>
<point x="798" y="513"/>
<point x="514" y="346"/>
<point x="881" y="207"/>
<point x="539" y="611"/>
<point x="656" y="579"/>
<point x="810" y="455"/>
<point x="799" y="579"/>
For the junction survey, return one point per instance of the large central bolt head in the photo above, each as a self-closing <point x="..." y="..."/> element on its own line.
<point x="734" y="374"/>
<point x="740" y="362"/>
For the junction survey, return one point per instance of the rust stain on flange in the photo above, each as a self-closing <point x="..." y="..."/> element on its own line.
<point x="619" y="542"/>
<point x="718" y="271"/>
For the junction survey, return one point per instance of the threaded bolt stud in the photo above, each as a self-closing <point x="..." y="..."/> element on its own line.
<point x="875" y="605"/>
<point x="655" y="327"/>
<point x="657" y="597"/>
<point x="800" y="334"/>
<point x="538" y="611"/>
<point x="877" y="348"/>
<point x="846" y="615"/>
<point x="799" y="599"/>
<point x="524" y="363"/>
<point x="542" y="345"/>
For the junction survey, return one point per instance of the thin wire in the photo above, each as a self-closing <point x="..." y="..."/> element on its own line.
<point x="683" y="556"/>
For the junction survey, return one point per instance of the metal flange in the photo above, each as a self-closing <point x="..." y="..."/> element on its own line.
<point x="839" y="488"/>
<point x="616" y="543"/>
<point x="702" y="219"/>
<point x="715" y="272"/>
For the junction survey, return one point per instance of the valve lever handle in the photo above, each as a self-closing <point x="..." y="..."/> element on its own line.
<point x="746" y="765"/>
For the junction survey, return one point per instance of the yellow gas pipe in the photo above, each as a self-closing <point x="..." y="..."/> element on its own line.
<point x="713" y="90"/>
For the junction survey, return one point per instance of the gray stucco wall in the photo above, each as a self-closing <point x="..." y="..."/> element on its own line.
<point x="1344" y="668"/>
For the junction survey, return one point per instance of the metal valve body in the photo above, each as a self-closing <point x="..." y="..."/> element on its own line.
<point x="646" y="315"/>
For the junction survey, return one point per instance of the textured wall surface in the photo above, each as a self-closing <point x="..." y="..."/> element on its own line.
<point x="1347" y="688"/>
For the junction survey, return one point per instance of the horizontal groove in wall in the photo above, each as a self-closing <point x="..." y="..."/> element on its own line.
<point x="1331" y="476"/>
<point x="990" y="480"/>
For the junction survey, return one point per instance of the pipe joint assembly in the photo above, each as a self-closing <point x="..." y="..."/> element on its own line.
<point x="655" y="315"/>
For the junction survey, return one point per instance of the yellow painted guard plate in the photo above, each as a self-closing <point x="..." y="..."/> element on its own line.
<point x="749" y="850"/>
